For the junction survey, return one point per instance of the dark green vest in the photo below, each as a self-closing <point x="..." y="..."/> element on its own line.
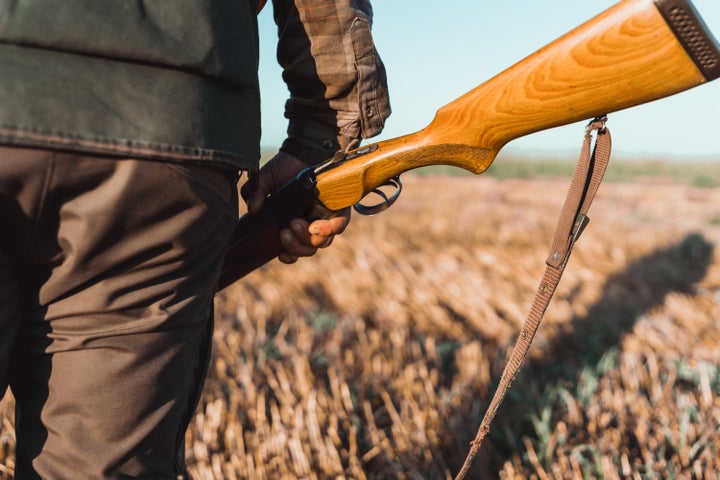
<point x="164" y="79"/>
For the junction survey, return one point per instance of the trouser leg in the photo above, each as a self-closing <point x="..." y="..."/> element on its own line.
<point x="9" y="311"/>
<point x="116" y="342"/>
<point x="18" y="204"/>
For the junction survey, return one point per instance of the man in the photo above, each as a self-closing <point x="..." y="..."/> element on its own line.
<point x="123" y="126"/>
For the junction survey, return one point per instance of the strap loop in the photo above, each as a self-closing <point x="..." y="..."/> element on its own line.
<point x="573" y="220"/>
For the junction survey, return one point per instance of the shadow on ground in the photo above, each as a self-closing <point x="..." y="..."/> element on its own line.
<point x="627" y="295"/>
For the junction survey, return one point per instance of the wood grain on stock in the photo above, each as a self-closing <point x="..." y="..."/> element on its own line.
<point x="625" y="56"/>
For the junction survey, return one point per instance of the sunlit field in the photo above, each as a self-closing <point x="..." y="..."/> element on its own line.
<point x="377" y="358"/>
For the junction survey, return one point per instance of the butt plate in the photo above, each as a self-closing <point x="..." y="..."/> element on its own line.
<point x="693" y="35"/>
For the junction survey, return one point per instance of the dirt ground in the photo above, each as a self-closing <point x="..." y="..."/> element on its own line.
<point x="377" y="358"/>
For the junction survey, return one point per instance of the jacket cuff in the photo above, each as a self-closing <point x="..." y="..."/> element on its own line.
<point x="314" y="142"/>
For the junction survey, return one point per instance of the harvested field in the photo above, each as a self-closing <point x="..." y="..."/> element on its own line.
<point x="377" y="358"/>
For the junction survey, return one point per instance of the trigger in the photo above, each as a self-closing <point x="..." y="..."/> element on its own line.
<point x="385" y="200"/>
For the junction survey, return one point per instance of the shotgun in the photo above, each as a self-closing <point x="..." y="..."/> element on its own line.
<point x="635" y="52"/>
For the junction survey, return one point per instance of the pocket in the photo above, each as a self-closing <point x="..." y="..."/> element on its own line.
<point x="213" y="183"/>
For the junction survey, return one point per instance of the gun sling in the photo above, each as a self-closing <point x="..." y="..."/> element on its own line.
<point x="573" y="219"/>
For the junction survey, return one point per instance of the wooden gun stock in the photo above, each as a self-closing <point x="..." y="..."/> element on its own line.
<point x="635" y="52"/>
<point x="626" y="56"/>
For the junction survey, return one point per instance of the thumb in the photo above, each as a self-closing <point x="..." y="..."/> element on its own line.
<point x="280" y="169"/>
<point x="254" y="200"/>
<point x="254" y="195"/>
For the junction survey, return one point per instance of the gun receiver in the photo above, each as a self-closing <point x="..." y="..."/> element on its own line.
<point x="635" y="52"/>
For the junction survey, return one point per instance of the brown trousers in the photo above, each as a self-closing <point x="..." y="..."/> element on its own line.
<point x="107" y="277"/>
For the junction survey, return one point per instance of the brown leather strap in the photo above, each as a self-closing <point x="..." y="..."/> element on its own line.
<point x="573" y="219"/>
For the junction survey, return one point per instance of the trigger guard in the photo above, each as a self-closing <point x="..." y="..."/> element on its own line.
<point x="363" y="209"/>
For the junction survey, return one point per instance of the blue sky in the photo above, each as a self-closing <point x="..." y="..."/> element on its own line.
<point x="435" y="51"/>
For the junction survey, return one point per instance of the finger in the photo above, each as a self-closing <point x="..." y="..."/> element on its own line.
<point x="254" y="198"/>
<point x="301" y="230"/>
<point x="254" y="201"/>
<point x="287" y="258"/>
<point x="324" y="242"/>
<point x="246" y="190"/>
<point x="294" y="246"/>
<point x="331" y="226"/>
<point x="268" y="181"/>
